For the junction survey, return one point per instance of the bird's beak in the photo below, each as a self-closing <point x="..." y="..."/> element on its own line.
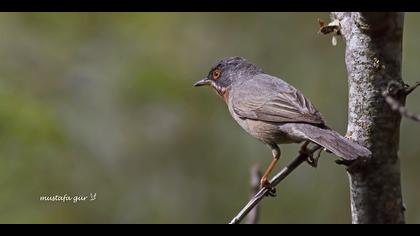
<point x="202" y="82"/>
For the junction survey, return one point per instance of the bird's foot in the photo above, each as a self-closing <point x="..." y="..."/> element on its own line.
<point x="264" y="183"/>
<point x="311" y="160"/>
<point x="271" y="192"/>
<point x="304" y="149"/>
<point x="348" y="135"/>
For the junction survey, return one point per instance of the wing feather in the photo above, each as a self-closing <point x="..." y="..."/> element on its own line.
<point x="268" y="98"/>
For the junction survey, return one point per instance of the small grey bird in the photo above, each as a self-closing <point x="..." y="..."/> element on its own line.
<point x="273" y="111"/>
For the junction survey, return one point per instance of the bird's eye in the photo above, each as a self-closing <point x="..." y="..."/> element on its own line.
<point x="216" y="74"/>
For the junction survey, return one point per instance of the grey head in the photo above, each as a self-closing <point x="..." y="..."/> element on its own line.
<point x="227" y="72"/>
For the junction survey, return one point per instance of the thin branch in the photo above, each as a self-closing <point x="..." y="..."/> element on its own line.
<point x="396" y="105"/>
<point x="255" y="187"/>
<point x="411" y="88"/>
<point x="274" y="182"/>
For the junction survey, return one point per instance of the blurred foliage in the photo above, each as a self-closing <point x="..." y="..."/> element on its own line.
<point x="103" y="103"/>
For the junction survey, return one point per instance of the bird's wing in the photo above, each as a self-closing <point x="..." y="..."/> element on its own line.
<point x="268" y="98"/>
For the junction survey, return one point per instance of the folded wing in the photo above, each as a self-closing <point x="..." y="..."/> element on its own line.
<point x="270" y="99"/>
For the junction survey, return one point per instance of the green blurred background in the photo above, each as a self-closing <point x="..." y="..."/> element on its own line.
<point x="103" y="103"/>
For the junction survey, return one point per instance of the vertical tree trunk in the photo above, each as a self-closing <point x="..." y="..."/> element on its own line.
<point x="373" y="58"/>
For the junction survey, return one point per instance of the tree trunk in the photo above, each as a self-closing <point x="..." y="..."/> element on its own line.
<point x="373" y="59"/>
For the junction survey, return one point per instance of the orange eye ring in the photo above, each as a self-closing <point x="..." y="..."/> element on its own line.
<point x="216" y="74"/>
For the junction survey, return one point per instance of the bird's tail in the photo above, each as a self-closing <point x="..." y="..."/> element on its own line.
<point x="332" y="141"/>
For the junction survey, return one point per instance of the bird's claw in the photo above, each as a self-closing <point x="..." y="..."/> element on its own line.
<point x="264" y="183"/>
<point x="271" y="192"/>
<point x="312" y="161"/>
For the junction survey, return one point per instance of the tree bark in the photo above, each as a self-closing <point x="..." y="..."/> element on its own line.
<point x="373" y="59"/>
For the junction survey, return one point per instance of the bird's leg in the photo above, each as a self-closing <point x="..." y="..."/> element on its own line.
<point x="264" y="183"/>
<point x="312" y="161"/>
<point x="264" y="179"/>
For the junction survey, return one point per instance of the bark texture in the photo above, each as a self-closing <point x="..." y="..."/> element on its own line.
<point x="373" y="59"/>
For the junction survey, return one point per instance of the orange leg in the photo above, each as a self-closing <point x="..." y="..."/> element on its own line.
<point x="276" y="156"/>
<point x="264" y="179"/>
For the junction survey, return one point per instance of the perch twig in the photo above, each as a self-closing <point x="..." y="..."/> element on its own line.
<point x="253" y="215"/>
<point x="274" y="182"/>
<point x="396" y="105"/>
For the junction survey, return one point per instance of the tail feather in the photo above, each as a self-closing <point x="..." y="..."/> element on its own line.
<point x="331" y="140"/>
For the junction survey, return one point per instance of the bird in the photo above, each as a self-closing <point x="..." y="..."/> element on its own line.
<point x="274" y="112"/>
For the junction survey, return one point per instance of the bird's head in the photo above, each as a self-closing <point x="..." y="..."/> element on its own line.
<point x="227" y="72"/>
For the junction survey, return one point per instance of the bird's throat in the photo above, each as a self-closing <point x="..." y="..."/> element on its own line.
<point x="221" y="91"/>
<point x="224" y="93"/>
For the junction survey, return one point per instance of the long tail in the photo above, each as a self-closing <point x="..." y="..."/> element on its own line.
<point x="331" y="140"/>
